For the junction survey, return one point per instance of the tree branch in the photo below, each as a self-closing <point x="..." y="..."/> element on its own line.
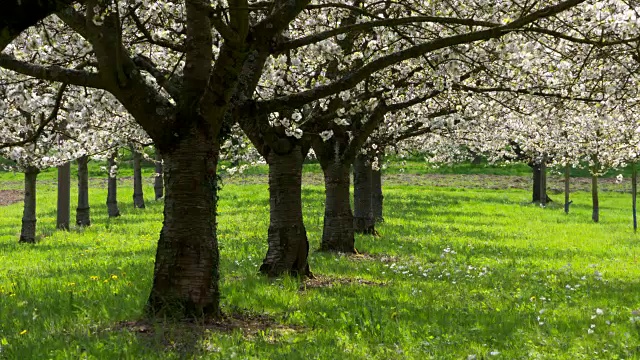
<point x="52" y="73"/>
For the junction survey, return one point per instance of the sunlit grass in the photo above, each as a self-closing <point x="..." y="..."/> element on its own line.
<point x="463" y="273"/>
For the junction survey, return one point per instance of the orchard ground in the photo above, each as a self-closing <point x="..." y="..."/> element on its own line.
<point x="465" y="268"/>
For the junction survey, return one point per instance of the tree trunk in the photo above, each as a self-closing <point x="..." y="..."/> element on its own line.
<point x="112" y="188"/>
<point x="594" y="198"/>
<point x="158" y="181"/>
<point x="337" y="233"/>
<point x="634" y="194"/>
<point x="567" y="178"/>
<point x="28" y="232"/>
<point x="376" y="195"/>
<point x="83" y="217"/>
<point x="287" y="238"/>
<point x="363" y="222"/>
<point x="540" y="184"/>
<point x="138" y="195"/>
<point x="64" y="197"/>
<point x="185" y="281"/>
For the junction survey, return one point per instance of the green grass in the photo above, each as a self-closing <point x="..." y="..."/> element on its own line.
<point x="463" y="272"/>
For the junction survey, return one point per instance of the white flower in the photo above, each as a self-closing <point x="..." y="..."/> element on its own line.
<point x="494" y="353"/>
<point x="326" y="135"/>
<point x="599" y="311"/>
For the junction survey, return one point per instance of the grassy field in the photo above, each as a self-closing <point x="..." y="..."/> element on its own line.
<point x="456" y="274"/>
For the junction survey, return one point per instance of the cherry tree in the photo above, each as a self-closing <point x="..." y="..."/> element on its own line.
<point x="156" y="59"/>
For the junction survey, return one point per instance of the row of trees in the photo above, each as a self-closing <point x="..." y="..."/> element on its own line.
<point x="346" y="79"/>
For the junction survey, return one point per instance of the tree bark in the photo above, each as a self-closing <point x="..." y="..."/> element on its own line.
<point x="64" y="197"/>
<point x="185" y="282"/>
<point x="377" y="197"/>
<point x="338" y="231"/>
<point x="112" y="188"/>
<point x="540" y="183"/>
<point x="634" y="194"/>
<point x="138" y="195"/>
<point x="567" y="178"/>
<point x="28" y="231"/>
<point x="158" y="181"/>
<point x="363" y="222"/>
<point x="287" y="237"/>
<point x="594" y="198"/>
<point x="83" y="216"/>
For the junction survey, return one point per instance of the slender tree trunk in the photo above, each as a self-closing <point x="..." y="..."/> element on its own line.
<point x="83" y="216"/>
<point x="364" y="222"/>
<point x="64" y="197"/>
<point x="138" y="195"/>
<point x="634" y="194"/>
<point x="158" y="181"/>
<point x="377" y="197"/>
<point x="28" y="232"/>
<point x="540" y="183"/>
<point x="337" y="233"/>
<point x="185" y="281"/>
<point x="567" y="179"/>
<point x="112" y="188"/>
<point x="594" y="198"/>
<point x="287" y="238"/>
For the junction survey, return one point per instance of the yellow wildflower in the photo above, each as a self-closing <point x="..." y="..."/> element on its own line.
<point x="114" y="277"/>
<point x="23" y="332"/>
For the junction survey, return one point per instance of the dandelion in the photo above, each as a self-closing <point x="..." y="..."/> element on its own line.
<point x="94" y="278"/>
<point x="23" y="332"/>
<point x="114" y="277"/>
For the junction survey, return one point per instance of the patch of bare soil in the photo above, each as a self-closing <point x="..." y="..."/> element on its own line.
<point x="190" y="338"/>
<point x="321" y="281"/>
<point x="248" y="323"/>
<point x="8" y="197"/>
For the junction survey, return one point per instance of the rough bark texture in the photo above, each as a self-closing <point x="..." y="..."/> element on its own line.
<point x="595" y="216"/>
<point x="28" y="231"/>
<point x="540" y="184"/>
<point x="83" y="216"/>
<point x="287" y="238"/>
<point x="138" y="195"/>
<point x="112" y="189"/>
<point x="377" y="197"/>
<point x="64" y="197"/>
<point x="337" y="233"/>
<point x="363" y="221"/>
<point x="185" y="282"/>
<point x="567" y="178"/>
<point x="158" y="183"/>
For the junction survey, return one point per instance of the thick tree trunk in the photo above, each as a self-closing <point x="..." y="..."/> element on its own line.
<point x="377" y="197"/>
<point x="64" y="197"/>
<point x="594" y="198"/>
<point x="28" y="231"/>
<point x="337" y="233"/>
<point x="83" y="216"/>
<point x="540" y="184"/>
<point x="158" y="185"/>
<point x="185" y="282"/>
<point x="634" y="194"/>
<point x="567" y="179"/>
<point x="363" y="222"/>
<point x="138" y="195"/>
<point x="112" y="188"/>
<point x="287" y="238"/>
